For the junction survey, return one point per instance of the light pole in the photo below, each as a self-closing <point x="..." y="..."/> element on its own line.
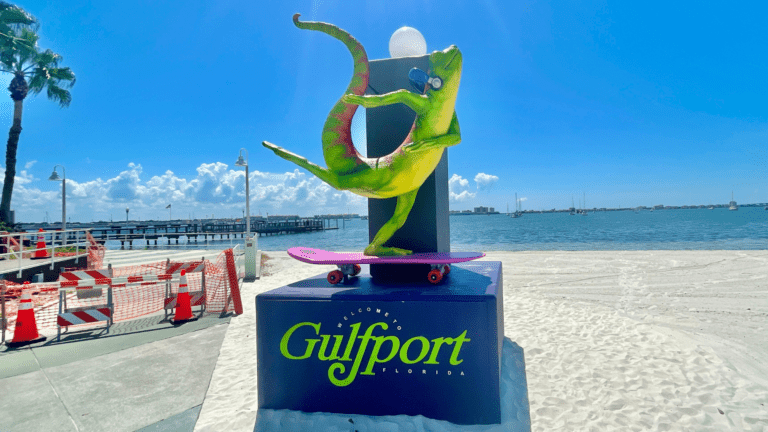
<point x="55" y="177"/>
<point x="244" y="163"/>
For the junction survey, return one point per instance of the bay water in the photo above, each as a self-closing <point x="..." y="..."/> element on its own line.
<point x="682" y="229"/>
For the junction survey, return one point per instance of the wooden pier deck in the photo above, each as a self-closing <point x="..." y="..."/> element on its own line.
<point x="193" y="232"/>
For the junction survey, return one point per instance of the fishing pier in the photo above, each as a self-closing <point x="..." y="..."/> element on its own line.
<point x="195" y="232"/>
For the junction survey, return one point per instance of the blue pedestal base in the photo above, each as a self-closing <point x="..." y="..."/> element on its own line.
<point x="367" y="349"/>
<point x="515" y="412"/>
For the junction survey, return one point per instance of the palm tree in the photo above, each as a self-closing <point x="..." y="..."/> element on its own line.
<point x="19" y="55"/>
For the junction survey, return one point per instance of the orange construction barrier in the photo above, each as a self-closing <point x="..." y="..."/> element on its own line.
<point x="41" y="251"/>
<point x="26" y="326"/>
<point x="183" y="306"/>
<point x="233" y="278"/>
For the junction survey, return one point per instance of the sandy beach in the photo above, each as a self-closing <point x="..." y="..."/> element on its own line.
<point x="640" y="340"/>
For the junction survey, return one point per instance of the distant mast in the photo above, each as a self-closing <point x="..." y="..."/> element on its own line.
<point x="517" y="212"/>
<point x="732" y="204"/>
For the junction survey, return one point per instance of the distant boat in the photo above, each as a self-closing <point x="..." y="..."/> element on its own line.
<point x="584" y="211"/>
<point x="517" y="212"/>
<point x="711" y="207"/>
<point x="732" y="204"/>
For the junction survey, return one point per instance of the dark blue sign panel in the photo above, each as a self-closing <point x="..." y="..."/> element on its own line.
<point x="376" y="350"/>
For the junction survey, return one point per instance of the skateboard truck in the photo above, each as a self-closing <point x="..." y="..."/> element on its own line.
<point x="344" y="272"/>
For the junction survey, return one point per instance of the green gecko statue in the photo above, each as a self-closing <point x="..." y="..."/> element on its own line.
<point x="401" y="173"/>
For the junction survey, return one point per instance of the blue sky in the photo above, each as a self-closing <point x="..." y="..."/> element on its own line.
<point x="629" y="103"/>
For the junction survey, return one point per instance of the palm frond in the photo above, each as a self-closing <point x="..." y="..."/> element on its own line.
<point x="38" y="81"/>
<point x="58" y="94"/>
<point x="12" y="14"/>
<point x="27" y="49"/>
<point x="7" y="59"/>
<point x="63" y="74"/>
<point x="47" y="58"/>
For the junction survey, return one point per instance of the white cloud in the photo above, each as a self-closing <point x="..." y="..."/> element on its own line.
<point x="214" y="189"/>
<point x="22" y="177"/>
<point x="29" y="164"/>
<point x="485" y="181"/>
<point x="458" y="189"/>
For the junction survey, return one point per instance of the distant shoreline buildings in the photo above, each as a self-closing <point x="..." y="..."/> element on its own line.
<point x="477" y="211"/>
<point x="490" y="210"/>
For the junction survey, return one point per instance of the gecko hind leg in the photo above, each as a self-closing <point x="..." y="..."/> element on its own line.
<point x="322" y="173"/>
<point x="402" y="210"/>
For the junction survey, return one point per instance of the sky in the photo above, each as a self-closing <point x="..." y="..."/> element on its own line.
<point x="624" y="103"/>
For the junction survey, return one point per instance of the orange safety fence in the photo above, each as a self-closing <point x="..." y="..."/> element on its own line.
<point x="96" y="252"/>
<point x="132" y="299"/>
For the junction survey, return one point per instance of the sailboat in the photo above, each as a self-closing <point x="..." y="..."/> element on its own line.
<point x="732" y="204"/>
<point x="584" y="211"/>
<point x="573" y="207"/>
<point x="517" y="212"/>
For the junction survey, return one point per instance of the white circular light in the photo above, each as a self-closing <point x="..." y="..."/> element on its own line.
<point x="407" y="42"/>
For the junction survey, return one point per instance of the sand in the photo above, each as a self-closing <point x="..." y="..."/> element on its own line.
<point x="636" y="340"/>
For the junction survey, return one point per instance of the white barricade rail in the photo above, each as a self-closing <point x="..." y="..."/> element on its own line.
<point x="118" y="281"/>
<point x="85" y="274"/>
<point x="190" y="267"/>
<point x="87" y="314"/>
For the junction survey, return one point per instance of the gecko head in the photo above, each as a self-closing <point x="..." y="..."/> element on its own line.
<point x="446" y="64"/>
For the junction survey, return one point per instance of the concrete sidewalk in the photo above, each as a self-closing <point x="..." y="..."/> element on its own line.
<point x="144" y="374"/>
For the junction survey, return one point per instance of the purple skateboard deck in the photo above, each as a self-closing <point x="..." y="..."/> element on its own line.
<point x="349" y="262"/>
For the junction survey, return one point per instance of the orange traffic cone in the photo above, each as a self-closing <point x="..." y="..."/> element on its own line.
<point x="26" y="326"/>
<point x="183" y="306"/>
<point x="41" y="251"/>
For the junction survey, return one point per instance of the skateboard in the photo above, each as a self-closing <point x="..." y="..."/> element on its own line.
<point x="348" y="263"/>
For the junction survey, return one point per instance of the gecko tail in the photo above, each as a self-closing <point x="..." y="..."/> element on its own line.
<point x="339" y="151"/>
<point x="322" y="173"/>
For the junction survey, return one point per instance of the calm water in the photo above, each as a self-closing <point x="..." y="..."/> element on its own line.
<point x="700" y="229"/>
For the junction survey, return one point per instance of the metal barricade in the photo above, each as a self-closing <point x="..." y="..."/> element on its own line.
<point x="85" y="314"/>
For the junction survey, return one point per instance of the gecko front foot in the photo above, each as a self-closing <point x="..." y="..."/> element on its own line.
<point x="385" y="251"/>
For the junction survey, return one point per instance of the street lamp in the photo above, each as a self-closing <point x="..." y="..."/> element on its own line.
<point x="244" y="163"/>
<point x="55" y="177"/>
